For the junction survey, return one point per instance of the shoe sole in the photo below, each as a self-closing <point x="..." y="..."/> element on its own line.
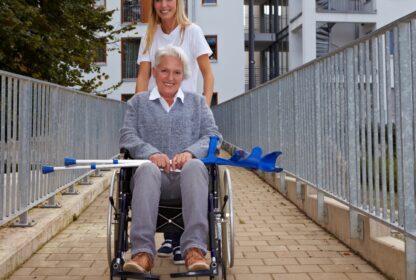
<point x="198" y="266"/>
<point x="129" y="267"/>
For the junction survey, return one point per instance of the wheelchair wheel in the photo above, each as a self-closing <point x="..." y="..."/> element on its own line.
<point x="111" y="220"/>
<point x="222" y="272"/>
<point x="228" y="220"/>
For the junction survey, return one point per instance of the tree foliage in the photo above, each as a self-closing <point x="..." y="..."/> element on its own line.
<point x="54" y="40"/>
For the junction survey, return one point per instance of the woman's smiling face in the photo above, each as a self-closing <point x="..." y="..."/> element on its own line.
<point x="165" y="9"/>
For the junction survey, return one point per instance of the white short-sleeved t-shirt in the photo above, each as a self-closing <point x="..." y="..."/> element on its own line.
<point x="194" y="45"/>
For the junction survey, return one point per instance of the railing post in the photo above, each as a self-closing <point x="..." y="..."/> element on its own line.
<point x="71" y="190"/>
<point x="356" y="223"/>
<point x="52" y="203"/>
<point x="408" y="138"/>
<point x="24" y="120"/>
<point x="320" y="199"/>
<point x="85" y="181"/>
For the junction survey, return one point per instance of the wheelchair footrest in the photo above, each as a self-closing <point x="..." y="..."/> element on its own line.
<point x="192" y="274"/>
<point x="135" y="275"/>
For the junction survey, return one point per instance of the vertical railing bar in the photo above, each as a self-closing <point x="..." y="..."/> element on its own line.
<point x="10" y="147"/>
<point x="16" y="142"/>
<point x="397" y="93"/>
<point x="382" y="98"/>
<point x="344" y="129"/>
<point x="295" y="105"/>
<point x="36" y="127"/>
<point x="46" y="144"/>
<point x="301" y="109"/>
<point x="358" y="114"/>
<point x="390" y="103"/>
<point x="331" y="110"/>
<point x="3" y="194"/>
<point x="330" y="126"/>
<point x="43" y="149"/>
<point x="311" y="115"/>
<point x="376" y="120"/>
<point x="411" y="202"/>
<point x="318" y="129"/>
<point x="363" y="125"/>
<point x="406" y="99"/>
<point x="323" y="123"/>
<point x="25" y="96"/>
<point x="352" y="145"/>
<point x="340" y="129"/>
<point x="369" y="122"/>
<point x="337" y="125"/>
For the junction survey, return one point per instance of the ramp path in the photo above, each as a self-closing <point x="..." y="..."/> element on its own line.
<point x="274" y="241"/>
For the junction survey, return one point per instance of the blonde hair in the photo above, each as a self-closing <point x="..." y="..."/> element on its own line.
<point x="154" y="20"/>
<point x="171" y="50"/>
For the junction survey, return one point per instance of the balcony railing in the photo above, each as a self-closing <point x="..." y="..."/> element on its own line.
<point x="345" y="6"/>
<point x="265" y="24"/>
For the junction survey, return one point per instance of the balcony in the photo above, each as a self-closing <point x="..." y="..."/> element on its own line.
<point x="345" y="6"/>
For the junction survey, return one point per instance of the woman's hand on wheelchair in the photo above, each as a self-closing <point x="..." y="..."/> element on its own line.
<point x="162" y="161"/>
<point x="179" y="160"/>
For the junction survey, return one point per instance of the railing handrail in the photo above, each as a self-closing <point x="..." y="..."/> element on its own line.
<point x="74" y="90"/>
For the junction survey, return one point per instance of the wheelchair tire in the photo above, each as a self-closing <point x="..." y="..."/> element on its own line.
<point x="228" y="221"/>
<point x="112" y="237"/>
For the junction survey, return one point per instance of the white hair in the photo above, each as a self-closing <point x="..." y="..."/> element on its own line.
<point x="171" y="50"/>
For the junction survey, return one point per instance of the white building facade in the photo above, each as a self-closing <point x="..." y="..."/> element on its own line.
<point x="321" y="26"/>
<point x="224" y="33"/>
<point x="290" y="33"/>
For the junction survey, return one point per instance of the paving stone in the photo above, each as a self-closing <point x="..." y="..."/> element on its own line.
<point x="292" y="276"/>
<point x="328" y="276"/>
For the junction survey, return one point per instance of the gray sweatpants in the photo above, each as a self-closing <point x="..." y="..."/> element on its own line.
<point x="149" y="185"/>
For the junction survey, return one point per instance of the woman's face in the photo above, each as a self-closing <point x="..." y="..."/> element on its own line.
<point x="165" y="9"/>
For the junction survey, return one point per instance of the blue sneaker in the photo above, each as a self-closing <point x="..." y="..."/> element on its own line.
<point x="166" y="249"/>
<point x="177" y="256"/>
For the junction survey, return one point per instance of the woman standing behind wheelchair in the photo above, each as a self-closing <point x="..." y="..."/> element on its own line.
<point x="168" y="24"/>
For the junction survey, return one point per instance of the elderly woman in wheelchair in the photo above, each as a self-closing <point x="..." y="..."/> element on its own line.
<point x="172" y="129"/>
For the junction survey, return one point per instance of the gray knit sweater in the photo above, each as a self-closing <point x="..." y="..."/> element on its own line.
<point x="149" y="129"/>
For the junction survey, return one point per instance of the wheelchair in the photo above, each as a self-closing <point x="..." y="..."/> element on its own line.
<point x="220" y="220"/>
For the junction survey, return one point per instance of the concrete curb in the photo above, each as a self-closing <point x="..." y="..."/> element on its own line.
<point x="18" y="244"/>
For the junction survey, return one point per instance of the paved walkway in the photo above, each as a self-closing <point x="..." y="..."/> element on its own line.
<point x="274" y="240"/>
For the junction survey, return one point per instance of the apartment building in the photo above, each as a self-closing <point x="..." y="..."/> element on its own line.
<point x="290" y="33"/>
<point x="224" y="34"/>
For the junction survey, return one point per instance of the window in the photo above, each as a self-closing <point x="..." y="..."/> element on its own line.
<point x="212" y="42"/>
<point x="209" y="2"/>
<point x="129" y="51"/>
<point x="101" y="54"/>
<point x="131" y="11"/>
